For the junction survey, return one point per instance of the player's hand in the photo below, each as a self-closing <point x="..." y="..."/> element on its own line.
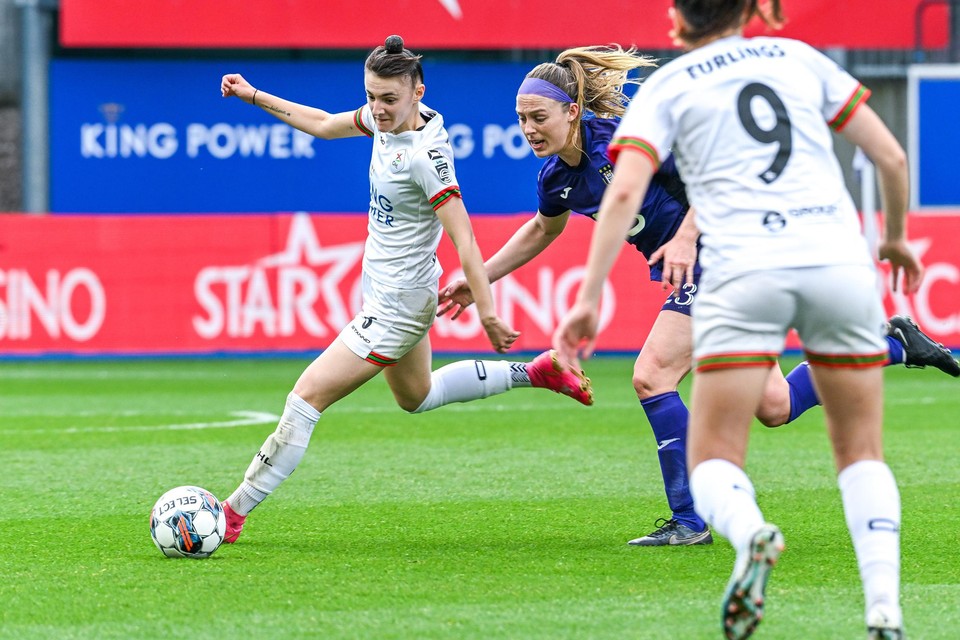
<point x="576" y="335"/>
<point x="501" y="335"/>
<point x="234" y="84"/>
<point x="679" y="255"/>
<point x="902" y="261"/>
<point x="455" y="296"/>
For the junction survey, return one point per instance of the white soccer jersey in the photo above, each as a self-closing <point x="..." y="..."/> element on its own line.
<point x="411" y="176"/>
<point x="749" y="122"/>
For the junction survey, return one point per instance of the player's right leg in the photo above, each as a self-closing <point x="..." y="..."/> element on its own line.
<point x="787" y="397"/>
<point x="871" y="499"/>
<point x="331" y="376"/>
<point x="846" y="352"/>
<point x="663" y="362"/>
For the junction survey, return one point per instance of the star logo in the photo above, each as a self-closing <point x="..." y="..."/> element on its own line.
<point x="304" y="248"/>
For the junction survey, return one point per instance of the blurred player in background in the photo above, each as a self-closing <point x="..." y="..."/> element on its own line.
<point x="414" y="198"/>
<point x="568" y="111"/>
<point x="750" y="122"/>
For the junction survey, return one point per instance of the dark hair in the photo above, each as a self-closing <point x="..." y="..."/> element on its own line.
<point x="391" y="60"/>
<point x="708" y="17"/>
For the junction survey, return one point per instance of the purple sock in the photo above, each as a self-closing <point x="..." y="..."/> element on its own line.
<point x="668" y="417"/>
<point x="802" y="394"/>
<point x="896" y="351"/>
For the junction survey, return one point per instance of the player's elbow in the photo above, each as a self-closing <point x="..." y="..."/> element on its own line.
<point x="893" y="161"/>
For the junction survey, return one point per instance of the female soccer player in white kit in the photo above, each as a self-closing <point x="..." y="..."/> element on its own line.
<point x="749" y="122"/>
<point x="414" y="198"/>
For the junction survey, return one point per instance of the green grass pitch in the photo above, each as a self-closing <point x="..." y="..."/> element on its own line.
<point x="502" y="518"/>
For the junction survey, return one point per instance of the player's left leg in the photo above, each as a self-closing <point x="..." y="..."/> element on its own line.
<point x="722" y="405"/>
<point x="469" y="380"/>
<point x="739" y="329"/>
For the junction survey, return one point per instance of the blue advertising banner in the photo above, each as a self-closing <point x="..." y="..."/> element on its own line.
<point x="156" y="136"/>
<point x="934" y="135"/>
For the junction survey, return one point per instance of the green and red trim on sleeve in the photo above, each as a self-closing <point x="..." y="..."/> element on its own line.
<point x="846" y="112"/>
<point x="635" y="144"/>
<point x="736" y="361"/>
<point x="848" y="360"/>
<point x="441" y="198"/>
<point x="358" y="122"/>
<point x="379" y="360"/>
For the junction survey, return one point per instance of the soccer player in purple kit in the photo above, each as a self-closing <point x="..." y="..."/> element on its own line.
<point x="568" y="111"/>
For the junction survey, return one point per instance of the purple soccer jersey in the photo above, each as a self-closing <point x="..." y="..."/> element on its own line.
<point x="562" y="188"/>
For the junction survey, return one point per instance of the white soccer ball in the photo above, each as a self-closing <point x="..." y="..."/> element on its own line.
<point x="187" y="522"/>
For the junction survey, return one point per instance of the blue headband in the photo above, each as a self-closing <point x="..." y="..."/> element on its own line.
<point x="538" y="87"/>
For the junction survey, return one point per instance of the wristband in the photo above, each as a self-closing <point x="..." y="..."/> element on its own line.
<point x="254" y="101"/>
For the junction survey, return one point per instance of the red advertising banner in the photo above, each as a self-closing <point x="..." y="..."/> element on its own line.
<point x="260" y="283"/>
<point x="465" y="24"/>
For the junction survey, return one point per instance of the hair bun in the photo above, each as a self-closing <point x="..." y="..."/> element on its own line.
<point x="393" y="44"/>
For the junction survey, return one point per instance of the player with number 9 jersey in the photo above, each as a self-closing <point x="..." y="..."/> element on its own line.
<point x="804" y="216"/>
<point x="749" y="121"/>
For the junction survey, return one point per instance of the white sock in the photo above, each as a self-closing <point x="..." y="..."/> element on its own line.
<point x="279" y="455"/>
<point x="871" y="503"/>
<point x="724" y="497"/>
<point x="467" y="380"/>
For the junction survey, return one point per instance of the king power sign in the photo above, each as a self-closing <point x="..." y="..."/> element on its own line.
<point x="118" y="149"/>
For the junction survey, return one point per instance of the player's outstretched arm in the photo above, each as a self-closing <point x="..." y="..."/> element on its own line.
<point x="453" y="216"/>
<point x="526" y="243"/>
<point x="577" y="331"/>
<point x="316" y="122"/>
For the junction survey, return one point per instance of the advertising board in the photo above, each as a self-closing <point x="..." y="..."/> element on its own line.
<point x="200" y="285"/>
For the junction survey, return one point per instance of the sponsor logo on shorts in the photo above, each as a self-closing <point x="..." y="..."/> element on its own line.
<point x="360" y="335"/>
<point x="367" y="321"/>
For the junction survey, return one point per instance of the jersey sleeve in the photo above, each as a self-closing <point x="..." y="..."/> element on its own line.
<point x="363" y="119"/>
<point x="432" y="169"/>
<point x="546" y="205"/>
<point x="647" y="127"/>
<point x="842" y="93"/>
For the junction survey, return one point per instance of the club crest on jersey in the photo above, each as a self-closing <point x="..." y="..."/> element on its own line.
<point x="606" y="172"/>
<point x="399" y="161"/>
<point x="441" y="165"/>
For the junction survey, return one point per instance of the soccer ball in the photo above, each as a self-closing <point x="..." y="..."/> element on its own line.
<point x="187" y="522"/>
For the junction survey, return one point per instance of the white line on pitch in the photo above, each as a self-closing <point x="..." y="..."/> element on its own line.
<point x="242" y="419"/>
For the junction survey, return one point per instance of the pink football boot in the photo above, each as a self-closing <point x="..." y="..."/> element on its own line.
<point x="545" y="371"/>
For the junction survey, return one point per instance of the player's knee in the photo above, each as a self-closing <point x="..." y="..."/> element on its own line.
<point x="646" y="383"/>
<point x="773" y="414"/>
<point x="414" y="403"/>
